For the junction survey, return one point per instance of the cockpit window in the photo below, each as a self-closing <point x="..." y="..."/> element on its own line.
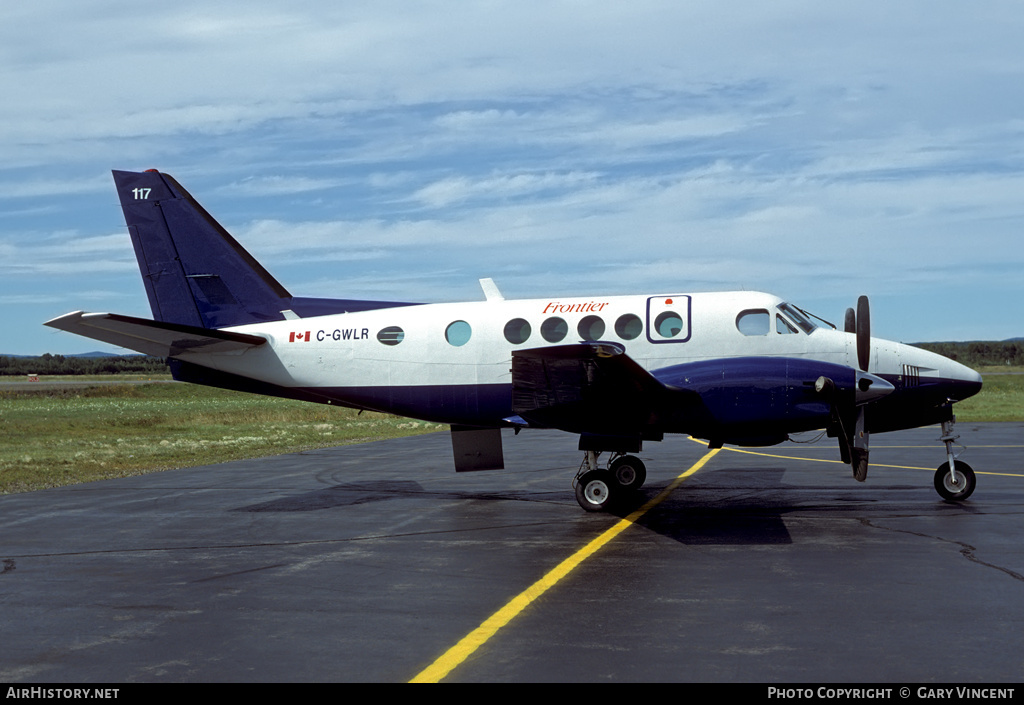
<point x="796" y="315"/>
<point x="754" y="321"/>
<point x="782" y="326"/>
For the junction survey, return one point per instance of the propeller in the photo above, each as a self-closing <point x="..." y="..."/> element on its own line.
<point x="852" y="418"/>
<point x="859" y="442"/>
<point x="859" y="323"/>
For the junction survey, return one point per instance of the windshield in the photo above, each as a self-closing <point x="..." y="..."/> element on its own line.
<point x="797" y="316"/>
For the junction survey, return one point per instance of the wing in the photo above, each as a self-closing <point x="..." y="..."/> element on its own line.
<point x="153" y="337"/>
<point x="590" y="388"/>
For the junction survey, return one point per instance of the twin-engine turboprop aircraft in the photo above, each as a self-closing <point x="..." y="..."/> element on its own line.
<point x="743" y="368"/>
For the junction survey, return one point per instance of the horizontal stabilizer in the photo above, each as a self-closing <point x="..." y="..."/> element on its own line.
<point x="153" y="337"/>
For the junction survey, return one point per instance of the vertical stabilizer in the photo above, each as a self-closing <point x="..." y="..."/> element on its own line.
<point x="195" y="273"/>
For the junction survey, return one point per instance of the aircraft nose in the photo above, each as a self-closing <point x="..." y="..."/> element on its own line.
<point x="940" y="377"/>
<point x="968" y="382"/>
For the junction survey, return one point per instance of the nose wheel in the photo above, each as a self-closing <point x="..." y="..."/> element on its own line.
<point x="954" y="480"/>
<point x="956" y="484"/>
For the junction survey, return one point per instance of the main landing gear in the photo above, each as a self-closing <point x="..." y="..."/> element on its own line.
<point x="598" y="488"/>
<point x="954" y="480"/>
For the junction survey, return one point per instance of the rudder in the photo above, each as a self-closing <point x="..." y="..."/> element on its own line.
<point x="194" y="271"/>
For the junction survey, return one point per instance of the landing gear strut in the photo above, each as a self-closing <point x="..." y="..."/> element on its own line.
<point x="598" y="488"/>
<point x="954" y="480"/>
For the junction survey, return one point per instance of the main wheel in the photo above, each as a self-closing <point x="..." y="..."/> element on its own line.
<point x="629" y="472"/>
<point x="595" y="490"/>
<point x="963" y="487"/>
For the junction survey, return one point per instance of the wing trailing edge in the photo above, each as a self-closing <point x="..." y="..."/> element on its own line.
<point x="153" y="337"/>
<point x="589" y="387"/>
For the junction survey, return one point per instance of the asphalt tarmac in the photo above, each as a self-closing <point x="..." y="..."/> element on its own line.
<point x="371" y="562"/>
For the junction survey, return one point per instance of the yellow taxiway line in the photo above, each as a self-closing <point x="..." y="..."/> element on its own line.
<point x="875" y="465"/>
<point x="479" y="636"/>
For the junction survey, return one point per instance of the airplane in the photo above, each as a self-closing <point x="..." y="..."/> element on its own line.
<point x="744" y="368"/>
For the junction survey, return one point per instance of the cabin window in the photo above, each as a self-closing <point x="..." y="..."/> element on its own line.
<point x="782" y="326"/>
<point x="458" y="333"/>
<point x="668" y="324"/>
<point x="629" y="326"/>
<point x="591" y="328"/>
<point x="754" y="321"/>
<point x="392" y="335"/>
<point x="517" y="331"/>
<point x="554" y="330"/>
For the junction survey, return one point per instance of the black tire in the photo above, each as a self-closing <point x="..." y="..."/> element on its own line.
<point x="596" y="490"/>
<point x="949" y="491"/>
<point x="629" y="472"/>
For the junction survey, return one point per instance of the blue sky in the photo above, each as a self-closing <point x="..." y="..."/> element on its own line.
<point x="403" y="150"/>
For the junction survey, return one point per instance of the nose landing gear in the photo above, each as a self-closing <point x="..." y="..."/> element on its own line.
<point x="954" y="480"/>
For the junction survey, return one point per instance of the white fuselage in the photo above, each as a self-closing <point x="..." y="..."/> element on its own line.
<point x="466" y="344"/>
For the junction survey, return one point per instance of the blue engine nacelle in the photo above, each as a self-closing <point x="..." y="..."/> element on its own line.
<point x="759" y="400"/>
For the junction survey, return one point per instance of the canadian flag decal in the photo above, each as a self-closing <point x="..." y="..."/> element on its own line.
<point x="300" y="337"/>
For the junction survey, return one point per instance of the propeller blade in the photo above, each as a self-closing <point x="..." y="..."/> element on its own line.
<point x="850" y="324"/>
<point x="863" y="333"/>
<point x="859" y="448"/>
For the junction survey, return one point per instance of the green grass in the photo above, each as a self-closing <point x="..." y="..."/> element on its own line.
<point x="67" y="435"/>
<point x="1001" y="399"/>
<point x="1002" y="369"/>
<point x="61" y="435"/>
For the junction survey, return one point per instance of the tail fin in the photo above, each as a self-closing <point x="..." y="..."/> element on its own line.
<point x="195" y="273"/>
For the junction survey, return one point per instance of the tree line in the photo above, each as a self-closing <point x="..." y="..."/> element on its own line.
<point x="48" y="364"/>
<point x="976" y="354"/>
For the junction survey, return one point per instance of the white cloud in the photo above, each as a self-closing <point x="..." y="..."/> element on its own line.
<point x="277" y="186"/>
<point x="502" y="186"/>
<point x="61" y="254"/>
<point x="575" y="143"/>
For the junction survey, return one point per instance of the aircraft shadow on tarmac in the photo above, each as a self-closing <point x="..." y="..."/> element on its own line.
<point x="343" y="495"/>
<point x="352" y="493"/>
<point x="737" y="513"/>
<point x="747" y="506"/>
<point x="731" y="506"/>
